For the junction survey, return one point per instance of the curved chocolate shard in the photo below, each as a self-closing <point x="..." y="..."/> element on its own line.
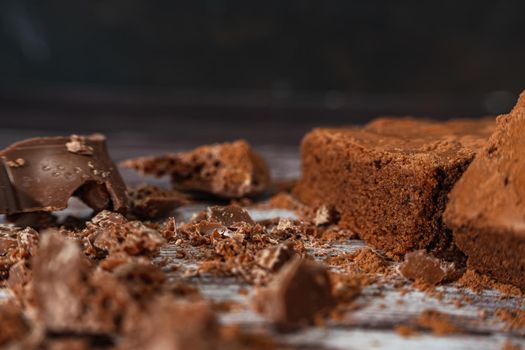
<point x="41" y="174"/>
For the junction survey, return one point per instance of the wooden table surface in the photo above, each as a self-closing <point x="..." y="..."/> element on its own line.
<point x="372" y="325"/>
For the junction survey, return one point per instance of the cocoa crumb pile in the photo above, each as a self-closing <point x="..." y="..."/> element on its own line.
<point x="133" y="280"/>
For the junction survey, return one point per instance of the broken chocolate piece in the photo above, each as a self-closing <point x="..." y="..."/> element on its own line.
<point x="51" y="173"/>
<point x="229" y="215"/>
<point x="70" y="296"/>
<point x="273" y="258"/>
<point x="389" y="180"/>
<point x="152" y="202"/>
<point x="421" y="266"/>
<point x="301" y="290"/>
<point x="228" y="170"/>
<point x="486" y="208"/>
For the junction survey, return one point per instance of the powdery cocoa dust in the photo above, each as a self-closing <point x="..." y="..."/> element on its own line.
<point x="478" y="283"/>
<point x="437" y="322"/>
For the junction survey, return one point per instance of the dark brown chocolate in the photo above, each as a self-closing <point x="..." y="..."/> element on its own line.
<point x="228" y="170"/>
<point x="15" y="245"/>
<point x="41" y="174"/>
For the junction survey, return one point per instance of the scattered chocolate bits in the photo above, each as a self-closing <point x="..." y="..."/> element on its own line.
<point x="297" y="294"/>
<point x="228" y="170"/>
<point x="16" y="245"/>
<point x="110" y="232"/>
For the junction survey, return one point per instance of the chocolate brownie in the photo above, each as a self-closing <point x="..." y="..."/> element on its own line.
<point x="388" y="181"/>
<point x="486" y="208"/>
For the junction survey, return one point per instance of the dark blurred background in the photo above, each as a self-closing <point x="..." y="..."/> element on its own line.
<point x="188" y="72"/>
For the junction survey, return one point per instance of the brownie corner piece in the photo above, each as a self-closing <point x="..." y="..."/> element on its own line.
<point x="486" y="208"/>
<point x="388" y="181"/>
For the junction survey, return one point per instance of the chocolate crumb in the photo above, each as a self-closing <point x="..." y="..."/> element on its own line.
<point x="437" y="322"/>
<point x="18" y="162"/>
<point x="229" y="215"/>
<point x="77" y="144"/>
<point x="421" y="266"/>
<point x="273" y="258"/>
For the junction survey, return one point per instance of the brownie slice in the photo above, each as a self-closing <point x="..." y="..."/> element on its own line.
<point x="388" y="181"/>
<point x="486" y="208"/>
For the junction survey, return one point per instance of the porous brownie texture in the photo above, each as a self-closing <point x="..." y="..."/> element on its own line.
<point x="388" y="181"/>
<point x="226" y="170"/>
<point x="486" y="208"/>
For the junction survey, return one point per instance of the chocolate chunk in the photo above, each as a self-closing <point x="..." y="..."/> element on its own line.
<point x="70" y="296"/>
<point x="388" y="181"/>
<point x="13" y="326"/>
<point x="152" y="202"/>
<point x="301" y="290"/>
<point x="228" y="170"/>
<point x="486" y="208"/>
<point x="273" y="258"/>
<point x="421" y="266"/>
<point x="229" y="215"/>
<point x="60" y="275"/>
<point x="171" y="324"/>
<point x="41" y="174"/>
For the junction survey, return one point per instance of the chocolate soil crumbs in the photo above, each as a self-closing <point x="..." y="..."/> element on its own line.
<point x="130" y="276"/>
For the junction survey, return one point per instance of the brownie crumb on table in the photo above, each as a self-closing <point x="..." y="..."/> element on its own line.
<point x="423" y="267"/>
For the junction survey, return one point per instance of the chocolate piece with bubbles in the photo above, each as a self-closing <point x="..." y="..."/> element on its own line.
<point x="41" y="174"/>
